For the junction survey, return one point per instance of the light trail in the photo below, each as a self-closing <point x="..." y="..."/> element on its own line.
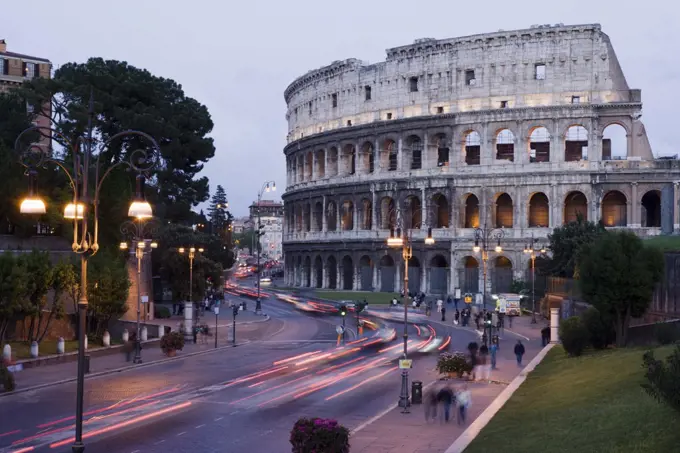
<point x="354" y="387"/>
<point x="10" y="433"/>
<point x="292" y="359"/>
<point x="445" y="344"/>
<point x="268" y="390"/>
<point x="255" y="376"/>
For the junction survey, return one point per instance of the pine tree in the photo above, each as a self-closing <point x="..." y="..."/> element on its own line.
<point x="217" y="213"/>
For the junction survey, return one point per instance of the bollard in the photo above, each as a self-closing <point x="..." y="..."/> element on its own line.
<point x="126" y="336"/>
<point x="106" y="339"/>
<point x="7" y="353"/>
<point x="61" y="345"/>
<point x="145" y="334"/>
<point x="417" y="392"/>
<point x="85" y="343"/>
<point x="34" y="350"/>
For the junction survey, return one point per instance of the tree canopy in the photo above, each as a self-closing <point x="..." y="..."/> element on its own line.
<point x="566" y="242"/>
<point x="618" y="276"/>
<point x="218" y="212"/>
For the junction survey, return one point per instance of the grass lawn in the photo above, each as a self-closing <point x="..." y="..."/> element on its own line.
<point x="588" y="404"/>
<point x="665" y="243"/>
<point x="22" y="350"/>
<point x="371" y="297"/>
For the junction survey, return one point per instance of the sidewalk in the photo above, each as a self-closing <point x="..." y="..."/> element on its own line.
<point x="410" y="433"/>
<point x="66" y="371"/>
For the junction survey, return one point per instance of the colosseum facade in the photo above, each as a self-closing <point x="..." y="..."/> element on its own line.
<point x="519" y="130"/>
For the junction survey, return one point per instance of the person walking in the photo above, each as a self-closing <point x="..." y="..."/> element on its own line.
<point x="484" y="367"/>
<point x="430" y="405"/>
<point x="456" y="317"/>
<point x="492" y="354"/>
<point x="443" y="314"/>
<point x="445" y="398"/>
<point x="464" y="400"/>
<point x="519" y="352"/>
<point x="440" y="303"/>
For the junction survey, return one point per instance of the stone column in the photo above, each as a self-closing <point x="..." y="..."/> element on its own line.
<point x="376" y="287"/>
<point x="324" y="275"/>
<point x="357" y="277"/>
<point x="398" y="283"/>
<point x="374" y="210"/>
<point x="634" y="220"/>
<point x="324" y="220"/>
<point x="554" y="325"/>
<point x="325" y="162"/>
<point x="676" y="206"/>
<point x="424" y="278"/>
<point x="314" y="172"/>
<point x="400" y="154"/>
<point x="426" y="159"/>
<point x="453" y="275"/>
<point x="554" y="207"/>
<point x="424" y="206"/>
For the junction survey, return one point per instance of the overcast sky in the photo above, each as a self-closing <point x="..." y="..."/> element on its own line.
<point x="237" y="57"/>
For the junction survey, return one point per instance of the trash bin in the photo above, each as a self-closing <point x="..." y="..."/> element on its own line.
<point x="87" y="363"/>
<point x="417" y="392"/>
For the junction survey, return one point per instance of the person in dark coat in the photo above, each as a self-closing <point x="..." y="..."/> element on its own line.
<point x="519" y="352"/>
<point x="445" y="398"/>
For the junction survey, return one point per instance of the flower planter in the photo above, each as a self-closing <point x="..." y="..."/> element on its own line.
<point x="171" y="353"/>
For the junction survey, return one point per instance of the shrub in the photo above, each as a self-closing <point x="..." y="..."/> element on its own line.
<point x="665" y="332"/>
<point x="161" y="312"/>
<point x="454" y="363"/>
<point x="574" y="336"/>
<point x="663" y="379"/>
<point x="599" y="331"/>
<point x="316" y="435"/>
<point x="173" y="341"/>
<point x="6" y="377"/>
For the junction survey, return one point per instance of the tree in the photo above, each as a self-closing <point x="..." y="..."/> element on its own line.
<point x="63" y="278"/>
<point x="38" y="267"/>
<point x="218" y="213"/>
<point x="14" y="280"/>
<point x="108" y="286"/>
<point x="618" y="277"/>
<point x="565" y="243"/>
<point x="126" y="98"/>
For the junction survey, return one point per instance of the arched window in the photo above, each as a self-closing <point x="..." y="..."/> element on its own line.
<point x="614" y="143"/>
<point x="472" y="148"/>
<point x="576" y="144"/>
<point x="539" y="145"/>
<point x="505" y="145"/>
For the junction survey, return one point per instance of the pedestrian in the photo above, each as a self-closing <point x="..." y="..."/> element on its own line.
<point x="445" y="398"/>
<point x="449" y="301"/>
<point x="519" y="352"/>
<point x="443" y="314"/>
<point x="440" y="303"/>
<point x="430" y="405"/>
<point x="456" y="317"/>
<point x="130" y="346"/>
<point x="394" y="302"/>
<point x="464" y="400"/>
<point x="484" y="366"/>
<point x="478" y="320"/>
<point x="492" y="353"/>
<point x="545" y="336"/>
<point x="510" y="321"/>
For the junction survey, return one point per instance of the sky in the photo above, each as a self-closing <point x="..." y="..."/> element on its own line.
<point x="238" y="57"/>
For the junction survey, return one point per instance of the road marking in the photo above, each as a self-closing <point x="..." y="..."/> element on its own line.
<point x="182" y="433"/>
<point x="136" y="451"/>
<point x="159" y="442"/>
<point x="519" y="335"/>
<point x="235" y="412"/>
<point x="200" y="426"/>
<point x="218" y="419"/>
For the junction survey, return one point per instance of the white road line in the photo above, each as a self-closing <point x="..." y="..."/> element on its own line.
<point x="159" y="442"/>
<point x="218" y="419"/>
<point x="235" y="412"/>
<point x="182" y="433"/>
<point x="199" y="426"/>
<point x="519" y="335"/>
<point x="136" y="451"/>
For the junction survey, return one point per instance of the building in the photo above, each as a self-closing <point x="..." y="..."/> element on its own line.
<point x="241" y="224"/>
<point x="521" y="130"/>
<point x="271" y="219"/>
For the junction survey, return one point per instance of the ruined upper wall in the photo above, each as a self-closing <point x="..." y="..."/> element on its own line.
<point x="579" y="62"/>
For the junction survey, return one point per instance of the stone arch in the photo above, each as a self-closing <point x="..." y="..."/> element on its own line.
<point x="366" y="273"/>
<point x="309" y="169"/>
<point x="332" y="169"/>
<point x="331" y="216"/>
<point x="300" y="167"/>
<point x="575" y="206"/>
<point x="502" y="275"/>
<point x="614" y="209"/>
<point x="388" y="214"/>
<point x="347" y="220"/>
<point x="388" y="155"/>
<point x="320" y="163"/>
<point x="366" y="214"/>
<point x="318" y="272"/>
<point x="504" y="211"/>
<point x="650" y="206"/>
<point x="539" y="144"/>
<point x="318" y="216"/>
<point x="299" y="271"/>
<point x="349" y="159"/>
<point x="614" y="142"/>
<point x="414" y="155"/>
<point x="468" y="275"/>
<point x="387" y="274"/>
<point x="576" y="143"/>
<point x="414" y="273"/>
<point x="299" y="223"/>
<point x="332" y="272"/>
<point x="472" y="146"/>
<point x="505" y="145"/>
<point x="307" y="272"/>
<point x="471" y="213"/>
<point x="439" y="274"/>
<point x="539" y="210"/>
<point x="347" y="273"/>
<point x="413" y="212"/>
<point x="367" y="157"/>
<point x="440" y="211"/>
<point x="307" y="216"/>
<point x="442" y="146"/>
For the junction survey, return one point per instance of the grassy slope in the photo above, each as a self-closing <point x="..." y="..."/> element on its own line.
<point x="587" y="404"/>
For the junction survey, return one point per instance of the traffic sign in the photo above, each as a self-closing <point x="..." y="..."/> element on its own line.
<point x="216" y="309"/>
<point x="145" y="299"/>
<point x="405" y="364"/>
<point x="340" y="330"/>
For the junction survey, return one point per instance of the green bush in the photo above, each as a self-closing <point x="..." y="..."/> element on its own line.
<point x="666" y="332"/>
<point x="173" y="341"/>
<point x="454" y="363"/>
<point x="161" y="312"/>
<point x="601" y="333"/>
<point x="574" y="336"/>
<point x="663" y="378"/>
<point x="316" y="435"/>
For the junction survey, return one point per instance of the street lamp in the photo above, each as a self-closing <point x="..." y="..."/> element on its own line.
<point x="404" y="241"/>
<point x="189" y="306"/>
<point x="86" y="196"/>
<point x="136" y="231"/>
<point x="484" y="239"/>
<point x="532" y="248"/>
<point x="266" y="187"/>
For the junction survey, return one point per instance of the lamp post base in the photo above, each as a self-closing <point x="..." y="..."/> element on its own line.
<point x="78" y="447"/>
<point x="258" y="307"/>
<point x="404" y="402"/>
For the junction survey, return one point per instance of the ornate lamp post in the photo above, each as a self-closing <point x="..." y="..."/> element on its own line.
<point x="484" y="239"/>
<point x="137" y="232"/>
<point x="533" y="248"/>
<point x="189" y="306"/>
<point x="266" y="187"/>
<point x="404" y="239"/>
<point x="84" y="206"/>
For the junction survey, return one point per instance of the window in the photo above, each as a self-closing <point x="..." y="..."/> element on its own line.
<point x="576" y="99"/>
<point x="334" y="96"/>
<point x="349" y="122"/>
<point x="36" y="70"/>
<point x="440" y="109"/>
<point x="4" y="66"/>
<point x="24" y="69"/>
<point x="413" y="84"/>
<point x="367" y="92"/>
<point x="310" y="108"/>
<point x="470" y="77"/>
<point x="389" y="116"/>
<point x="504" y="104"/>
<point x="539" y="71"/>
<point x="442" y="157"/>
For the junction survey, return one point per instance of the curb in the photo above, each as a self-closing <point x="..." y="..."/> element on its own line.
<point x="472" y="431"/>
<point x="133" y="367"/>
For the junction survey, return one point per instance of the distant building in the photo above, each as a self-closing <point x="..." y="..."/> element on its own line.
<point x="271" y="218"/>
<point x="266" y="208"/>
<point x="241" y="224"/>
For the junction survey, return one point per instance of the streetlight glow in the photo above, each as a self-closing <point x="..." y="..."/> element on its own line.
<point x="192" y="250"/>
<point x="201" y="250"/>
<point x="140" y="208"/>
<point x="32" y="204"/>
<point x="74" y="212"/>
<point x="123" y="245"/>
<point x="181" y="250"/>
<point x="154" y="245"/>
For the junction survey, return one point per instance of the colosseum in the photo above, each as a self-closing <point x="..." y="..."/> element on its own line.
<point x="517" y="130"/>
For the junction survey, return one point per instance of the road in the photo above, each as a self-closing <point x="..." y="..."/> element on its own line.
<point x="240" y="399"/>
